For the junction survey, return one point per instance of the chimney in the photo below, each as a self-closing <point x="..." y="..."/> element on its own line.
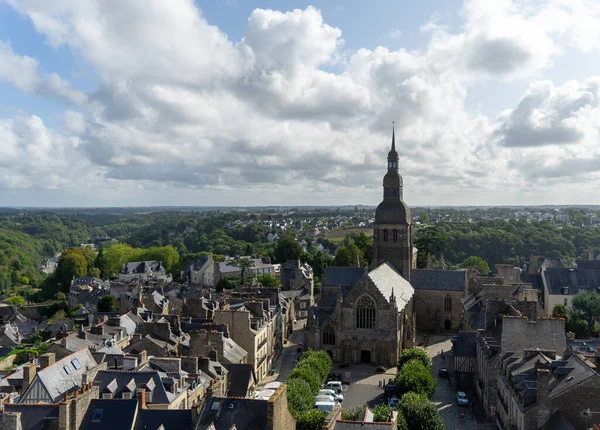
<point x="29" y="372"/>
<point x="543" y="396"/>
<point x="356" y="260"/>
<point x="142" y="357"/>
<point x="190" y="364"/>
<point x="47" y="359"/>
<point x="590" y="254"/>
<point x="141" y="395"/>
<point x="213" y="355"/>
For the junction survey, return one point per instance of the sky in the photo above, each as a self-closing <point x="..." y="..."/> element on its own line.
<point x="249" y="103"/>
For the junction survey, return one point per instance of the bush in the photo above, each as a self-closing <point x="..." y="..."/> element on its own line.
<point x="414" y="354"/>
<point x="355" y="414"/>
<point x="16" y="301"/>
<point x="107" y="303"/>
<point x="416" y="378"/>
<point x="381" y="413"/>
<point x="312" y="419"/>
<point x="304" y="383"/>
<point x="300" y="396"/>
<point x="419" y="413"/>
<point x="309" y="375"/>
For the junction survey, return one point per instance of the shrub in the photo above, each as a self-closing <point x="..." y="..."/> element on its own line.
<point x="300" y="396"/>
<point x="419" y="413"/>
<point x="312" y="419"/>
<point x="381" y="413"/>
<point x="354" y="414"/>
<point x="416" y="378"/>
<point x="309" y="375"/>
<point x="304" y="383"/>
<point x="414" y="354"/>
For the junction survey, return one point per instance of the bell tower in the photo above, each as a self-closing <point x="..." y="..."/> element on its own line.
<point x="392" y="230"/>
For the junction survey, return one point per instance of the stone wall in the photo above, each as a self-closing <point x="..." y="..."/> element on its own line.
<point x="574" y="401"/>
<point x="431" y="315"/>
<point x="278" y="415"/>
<point x="545" y="334"/>
<point x="10" y="421"/>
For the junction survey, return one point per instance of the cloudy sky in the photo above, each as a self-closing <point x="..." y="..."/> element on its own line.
<point x="240" y="102"/>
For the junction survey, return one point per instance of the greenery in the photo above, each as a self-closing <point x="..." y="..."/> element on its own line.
<point x="354" y="414"/>
<point x="26" y="354"/>
<point x="419" y="354"/>
<point x="16" y="301"/>
<point x="242" y="263"/>
<point x="268" y="280"/>
<point x="586" y="307"/>
<point x="478" y="263"/>
<point x="312" y="419"/>
<point x="419" y="413"/>
<point x="416" y="378"/>
<point x="381" y="413"/>
<point x="305" y="381"/>
<point x="107" y="303"/>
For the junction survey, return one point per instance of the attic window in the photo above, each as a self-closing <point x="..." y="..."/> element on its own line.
<point x="67" y="369"/>
<point x="215" y="406"/>
<point x="569" y="378"/>
<point x="76" y="364"/>
<point x="97" y="415"/>
<point x="565" y="290"/>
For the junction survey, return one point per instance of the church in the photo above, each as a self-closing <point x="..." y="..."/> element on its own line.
<point x="366" y="316"/>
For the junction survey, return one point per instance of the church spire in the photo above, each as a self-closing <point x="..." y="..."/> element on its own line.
<point x="393" y="136"/>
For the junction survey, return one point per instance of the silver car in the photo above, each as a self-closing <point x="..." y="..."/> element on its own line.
<point x="462" y="399"/>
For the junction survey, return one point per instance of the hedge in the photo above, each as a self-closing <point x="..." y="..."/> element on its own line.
<point x="304" y="383"/>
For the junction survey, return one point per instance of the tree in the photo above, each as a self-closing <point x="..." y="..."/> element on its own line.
<point x="418" y="354"/>
<point x="346" y="256"/>
<point x="287" y="249"/>
<point x="561" y="311"/>
<point x="430" y="240"/>
<point x="300" y="395"/>
<point x="477" y="263"/>
<point x="16" y="301"/>
<point x="225" y="284"/>
<point x="268" y="280"/>
<point x="243" y="264"/>
<point x="312" y="419"/>
<point x="100" y="264"/>
<point x="416" y="378"/>
<point x="107" y="304"/>
<point x="586" y="306"/>
<point x="71" y="264"/>
<point x="354" y="414"/>
<point x="419" y="413"/>
<point x="381" y="413"/>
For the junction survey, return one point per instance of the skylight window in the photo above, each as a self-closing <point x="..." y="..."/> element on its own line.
<point x="76" y="364"/>
<point x="67" y="370"/>
<point x="97" y="415"/>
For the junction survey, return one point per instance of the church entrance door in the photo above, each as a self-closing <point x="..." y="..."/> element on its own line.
<point x="365" y="356"/>
<point x="447" y="325"/>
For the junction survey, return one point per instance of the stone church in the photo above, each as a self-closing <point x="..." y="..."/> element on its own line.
<point x="367" y="316"/>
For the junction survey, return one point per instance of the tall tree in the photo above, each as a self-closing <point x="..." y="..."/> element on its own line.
<point x="244" y="264"/>
<point x="430" y="240"/>
<point x="287" y="249"/>
<point x="71" y="264"/>
<point x="477" y="263"/>
<point x="586" y="306"/>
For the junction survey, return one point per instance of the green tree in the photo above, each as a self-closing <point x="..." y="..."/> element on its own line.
<point x="312" y="419"/>
<point x="115" y="256"/>
<point x="346" y="256"/>
<point x="268" y="280"/>
<point x="381" y="413"/>
<point x="430" y="240"/>
<point x="300" y="395"/>
<point x="416" y="378"/>
<point x="244" y="264"/>
<point x="107" y="303"/>
<point x="586" y="306"/>
<point x="71" y="264"/>
<point x="561" y="311"/>
<point x="477" y="263"/>
<point x="287" y="249"/>
<point x="354" y="414"/>
<point x="16" y="301"/>
<point x="225" y="284"/>
<point x="100" y="264"/>
<point x="418" y="354"/>
<point x="419" y="413"/>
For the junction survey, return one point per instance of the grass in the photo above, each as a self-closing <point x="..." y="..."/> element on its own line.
<point x="339" y="235"/>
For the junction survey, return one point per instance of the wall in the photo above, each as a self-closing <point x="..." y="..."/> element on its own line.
<point x="578" y="399"/>
<point x="545" y="334"/>
<point x="278" y="415"/>
<point x="429" y="308"/>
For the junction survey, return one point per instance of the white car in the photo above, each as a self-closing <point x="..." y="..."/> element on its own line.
<point x="324" y="398"/>
<point x="324" y="406"/>
<point x="334" y="385"/>
<point x="329" y="392"/>
<point x="462" y="399"/>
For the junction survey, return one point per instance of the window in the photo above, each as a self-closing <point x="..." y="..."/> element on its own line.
<point x="67" y="369"/>
<point x="385" y="235"/>
<point x="365" y="313"/>
<point x="97" y="415"/>
<point x="107" y="395"/>
<point x="302" y="305"/>
<point x="395" y="235"/>
<point x="76" y="364"/>
<point x="328" y="335"/>
<point x="448" y="303"/>
<point x="566" y="302"/>
<point x="126" y="395"/>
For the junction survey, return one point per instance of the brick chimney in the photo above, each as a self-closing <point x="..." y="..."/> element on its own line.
<point x="47" y="359"/>
<point x="543" y="397"/>
<point x="141" y="395"/>
<point x="29" y="372"/>
<point x="142" y="357"/>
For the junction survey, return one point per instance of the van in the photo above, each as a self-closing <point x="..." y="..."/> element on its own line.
<point x="324" y="406"/>
<point x="335" y="385"/>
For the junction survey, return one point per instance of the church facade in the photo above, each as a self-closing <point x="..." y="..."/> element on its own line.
<point x="366" y="316"/>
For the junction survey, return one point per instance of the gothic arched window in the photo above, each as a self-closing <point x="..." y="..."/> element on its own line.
<point x="328" y="335"/>
<point x="385" y="234"/>
<point x="365" y="313"/>
<point x="448" y="303"/>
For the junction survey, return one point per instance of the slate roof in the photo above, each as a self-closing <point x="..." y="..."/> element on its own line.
<point x="466" y="344"/>
<point x="169" y="419"/>
<point x="196" y="264"/>
<point x="122" y="377"/>
<point x="57" y="381"/>
<point x="113" y="414"/>
<point x="34" y="417"/>
<point x="588" y="264"/>
<point x="574" y="280"/>
<point x="444" y="280"/>
<point x="388" y="281"/>
<point x="142" y="267"/>
<point x="224" y="413"/>
<point x="232" y="352"/>
<point x="343" y="276"/>
<point x="557" y="421"/>
<point x="239" y="378"/>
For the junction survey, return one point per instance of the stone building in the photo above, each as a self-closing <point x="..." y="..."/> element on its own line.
<point x="368" y="316"/>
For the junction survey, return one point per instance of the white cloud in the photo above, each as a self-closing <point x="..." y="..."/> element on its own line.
<point x="20" y="71"/>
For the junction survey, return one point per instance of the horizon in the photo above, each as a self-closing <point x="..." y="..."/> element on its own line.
<point x="239" y="104"/>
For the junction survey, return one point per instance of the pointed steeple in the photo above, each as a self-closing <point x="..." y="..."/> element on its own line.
<point x="393" y="136"/>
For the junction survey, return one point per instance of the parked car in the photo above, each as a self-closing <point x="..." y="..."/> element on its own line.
<point x="462" y="399"/>
<point x="324" y="406"/>
<point x="389" y="390"/>
<point x="381" y="369"/>
<point x="393" y="402"/>
<point x="334" y="385"/>
<point x="443" y="372"/>
<point x="324" y="398"/>
<point x="330" y="392"/>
